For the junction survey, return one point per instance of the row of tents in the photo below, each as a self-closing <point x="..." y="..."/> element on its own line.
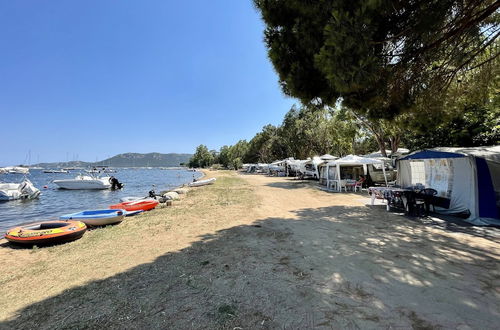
<point x="468" y="177"/>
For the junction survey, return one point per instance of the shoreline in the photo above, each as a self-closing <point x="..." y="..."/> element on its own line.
<point x="54" y="202"/>
<point x="254" y="251"/>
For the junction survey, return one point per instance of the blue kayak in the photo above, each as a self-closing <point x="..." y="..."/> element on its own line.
<point x="97" y="217"/>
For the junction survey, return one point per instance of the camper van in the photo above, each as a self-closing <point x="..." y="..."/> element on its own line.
<point x="377" y="175"/>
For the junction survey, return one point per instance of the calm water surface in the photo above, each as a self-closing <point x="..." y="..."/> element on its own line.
<point x="54" y="202"/>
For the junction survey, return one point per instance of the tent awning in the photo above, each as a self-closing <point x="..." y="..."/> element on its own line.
<point x="353" y="160"/>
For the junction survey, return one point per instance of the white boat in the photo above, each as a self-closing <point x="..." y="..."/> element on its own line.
<point x="202" y="182"/>
<point x="135" y="199"/>
<point x="23" y="190"/>
<point x="101" y="170"/>
<point x="16" y="170"/>
<point x="97" y="217"/>
<point x="84" y="182"/>
<point x="56" y="171"/>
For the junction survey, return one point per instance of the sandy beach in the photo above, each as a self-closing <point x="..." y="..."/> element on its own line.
<point x="258" y="252"/>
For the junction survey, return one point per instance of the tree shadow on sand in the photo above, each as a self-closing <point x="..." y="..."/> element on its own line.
<point x="332" y="267"/>
<point x="293" y="183"/>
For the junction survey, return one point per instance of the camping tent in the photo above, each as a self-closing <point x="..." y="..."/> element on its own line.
<point x="322" y="167"/>
<point x="377" y="154"/>
<point x="468" y="177"/>
<point x="353" y="160"/>
<point x="327" y="157"/>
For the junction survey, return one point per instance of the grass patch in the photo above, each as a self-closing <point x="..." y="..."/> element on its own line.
<point x="226" y="312"/>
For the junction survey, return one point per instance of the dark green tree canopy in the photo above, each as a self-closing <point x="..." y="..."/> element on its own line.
<point x="378" y="56"/>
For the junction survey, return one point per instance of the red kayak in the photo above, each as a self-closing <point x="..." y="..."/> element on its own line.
<point x="136" y="206"/>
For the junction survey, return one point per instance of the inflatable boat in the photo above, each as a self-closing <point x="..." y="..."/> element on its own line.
<point x="144" y="205"/>
<point x="46" y="233"/>
<point x="23" y="190"/>
<point x="96" y="217"/>
<point x="202" y="182"/>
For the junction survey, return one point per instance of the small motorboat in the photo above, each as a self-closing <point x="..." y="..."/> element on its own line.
<point x="97" y="217"/>
<point x="56" y="171"/>
<point x="16" y="170"/>
<point x="46" y="233"/>
<point x="144" y="205"/>
<point x="85" y="182"/>
<point x="202" y="182"/>
<point x="23" y="190"/>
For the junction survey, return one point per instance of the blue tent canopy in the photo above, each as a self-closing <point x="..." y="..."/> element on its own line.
<point x="428" y="154"/>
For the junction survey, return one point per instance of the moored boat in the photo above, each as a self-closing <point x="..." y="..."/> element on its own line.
<point x="202" y="182"/>
<point x="97" y="217"/>
<point x="46" y="233"/>
<point x="84" y="182"/>
<point x="55" y="171"/>
<point x="16" y="170"/>
<point x="144" y="205"/>
<point x="23" y="190"/>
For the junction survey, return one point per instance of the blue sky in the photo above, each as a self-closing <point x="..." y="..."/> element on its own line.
<point x="96" y="78"/>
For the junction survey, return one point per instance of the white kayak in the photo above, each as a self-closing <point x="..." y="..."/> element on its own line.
<point x="134" y="199"/>
<point x="23" y="190"/>
<point x="84" y="182"/>
<point x="202" y="182"/>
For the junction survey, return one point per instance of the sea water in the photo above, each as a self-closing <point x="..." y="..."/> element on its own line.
<point x="54" y="202"/>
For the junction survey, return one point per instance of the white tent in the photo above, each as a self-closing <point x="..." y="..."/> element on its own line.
<point x="328" y="157"/>
<point x="323" y="169"/>
<point x="353" y="160"/>
<point x="377" y="154"/>
<point x="468" y="177"/>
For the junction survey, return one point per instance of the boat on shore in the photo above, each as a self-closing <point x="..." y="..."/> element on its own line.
<point x="202" y="182"/>
<point x="96" y="218"/>
<point x="144" y="205"/>
<point x="85" y="182"/>
<point x="23" y="190"/>
<point x="135" y="199"/>
<point x="46" y="233"/>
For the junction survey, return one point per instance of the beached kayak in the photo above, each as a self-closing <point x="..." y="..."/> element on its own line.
<point x="46" y="233"/>
<point x="132" y="213"/>
<point x="202" y="182"/>
<point x="96" y="217"/>
<point x="144" y="205"/>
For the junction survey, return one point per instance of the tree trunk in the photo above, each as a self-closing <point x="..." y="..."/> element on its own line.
<point x="395" y="140"/>
<point x="381" y="145"/>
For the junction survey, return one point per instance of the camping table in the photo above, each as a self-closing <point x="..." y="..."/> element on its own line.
<point x="377" y="192"/>
<point x="409" y="195"/>
<point x="387" y="193"/>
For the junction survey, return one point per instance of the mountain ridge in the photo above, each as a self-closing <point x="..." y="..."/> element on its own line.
<point x="128" y="159"/>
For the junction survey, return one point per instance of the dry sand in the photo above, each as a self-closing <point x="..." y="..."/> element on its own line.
<point x="257" y="252"/>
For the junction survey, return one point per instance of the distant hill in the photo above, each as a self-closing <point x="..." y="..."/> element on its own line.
<point x="153" y="159"/>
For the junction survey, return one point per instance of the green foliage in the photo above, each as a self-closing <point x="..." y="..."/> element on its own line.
<point x="305" y="132"/>
<point x="379" y="57"/>
<point x="202" y="157"/>
<point x="476" y="126"/>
